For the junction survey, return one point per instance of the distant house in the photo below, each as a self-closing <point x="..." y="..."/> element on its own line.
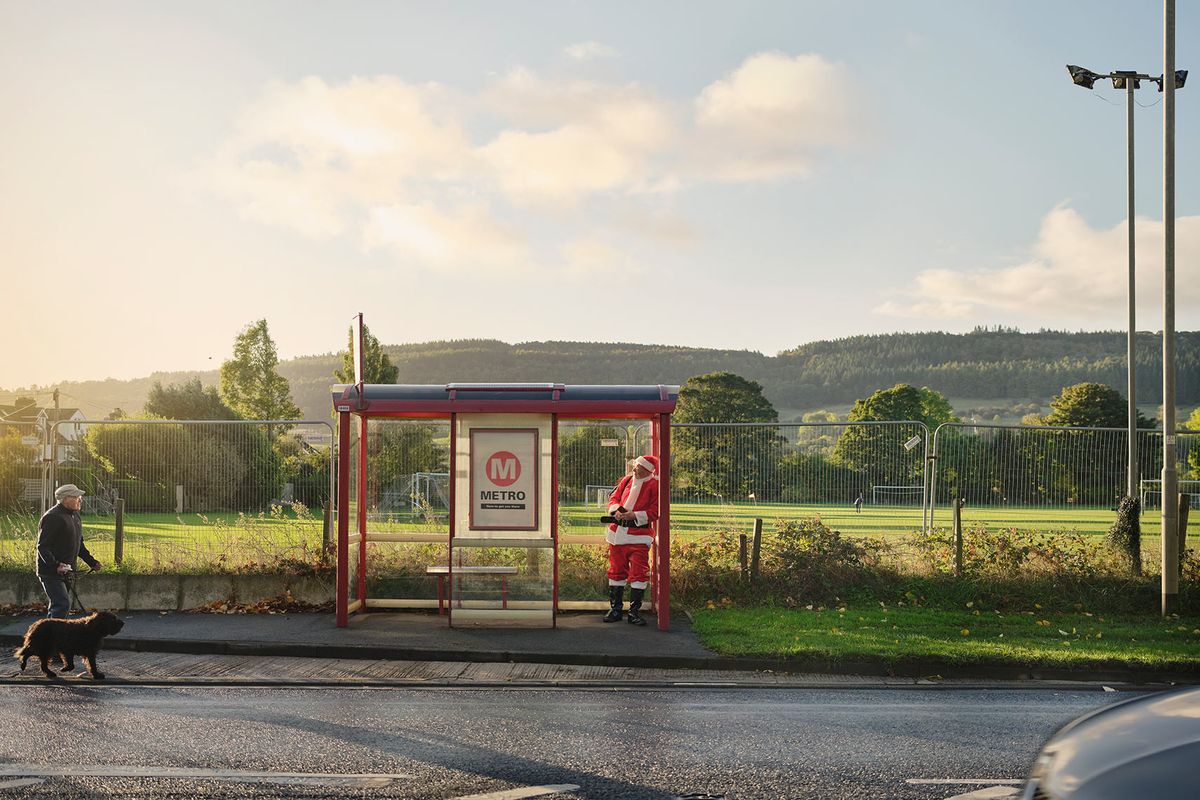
<point x="67" y="438"/>
<point x="31" y="421"/>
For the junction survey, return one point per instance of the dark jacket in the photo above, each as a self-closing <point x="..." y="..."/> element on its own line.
<point x="60" y="540"/>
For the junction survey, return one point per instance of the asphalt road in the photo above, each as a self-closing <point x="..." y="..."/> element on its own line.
<point x="81" y="741"/>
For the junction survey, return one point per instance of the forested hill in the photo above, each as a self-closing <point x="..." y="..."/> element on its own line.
<point x="994" y="364"/>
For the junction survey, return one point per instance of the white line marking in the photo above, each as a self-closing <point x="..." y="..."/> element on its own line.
<point x="524" y="791"/>
<point x="41" y="771"/>
<point x="21" y="782"/>
<point x="965" y="781"/>
<point x="990" y="793"/>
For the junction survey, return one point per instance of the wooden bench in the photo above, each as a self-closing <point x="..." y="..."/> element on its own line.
<point x="443" y="571"/>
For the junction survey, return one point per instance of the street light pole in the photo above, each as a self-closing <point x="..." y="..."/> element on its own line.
<point x="1133" y="474"/>
<point x="1169" y="543"/>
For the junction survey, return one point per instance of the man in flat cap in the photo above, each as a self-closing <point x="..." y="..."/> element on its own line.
<point x="59" y="544"/>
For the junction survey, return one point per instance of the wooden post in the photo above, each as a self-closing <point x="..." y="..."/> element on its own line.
<point x="757" y="549"/>
<point x="119" y="532"/>
<point x="326" y="529"/>
<point x="1185" y="504"/>
<point x="742" y="555"/>
<point x="958" y="537"/>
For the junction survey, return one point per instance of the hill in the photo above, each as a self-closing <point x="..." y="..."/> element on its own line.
<point x="985" y="363"/>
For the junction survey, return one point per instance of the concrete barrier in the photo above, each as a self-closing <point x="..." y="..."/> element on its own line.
<point x="168" y="592"/>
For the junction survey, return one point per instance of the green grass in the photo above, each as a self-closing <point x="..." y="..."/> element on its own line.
<point x="157" y="539"/>
<point x="955" y="636"/>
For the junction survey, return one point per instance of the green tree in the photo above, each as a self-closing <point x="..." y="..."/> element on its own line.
<point x="724" y="461"/>
<point x="189" y="400"/>
<point x="250" y="383"/>
<point x="723" y="397"/>
<point x="16" y="462"/>
<point x="377" y="367"/>
<point x="874" y="450"/>
<point x="1092" y="405"/>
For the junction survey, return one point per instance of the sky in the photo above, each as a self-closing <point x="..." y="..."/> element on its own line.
<point x="750" y="175"/>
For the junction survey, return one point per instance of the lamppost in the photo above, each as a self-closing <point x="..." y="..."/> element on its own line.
<point x="1128" y="80"/>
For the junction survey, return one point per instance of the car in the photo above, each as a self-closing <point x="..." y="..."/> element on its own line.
<point x="1145" y="747"/>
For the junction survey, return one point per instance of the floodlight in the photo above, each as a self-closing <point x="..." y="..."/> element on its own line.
<point x="1119" y="78"/>
<point x="1082" y="76"/>
<point x="1180" y="79"/>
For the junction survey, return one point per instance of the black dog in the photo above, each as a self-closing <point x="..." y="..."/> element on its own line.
<point x="67" y="638"/>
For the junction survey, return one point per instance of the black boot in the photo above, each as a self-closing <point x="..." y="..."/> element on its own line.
<point x="615" y="595"/>
<point x="635" y="605"/>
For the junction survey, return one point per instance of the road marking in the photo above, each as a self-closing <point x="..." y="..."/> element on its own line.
<point x="524" y="791"/>
<point x="21" y="782"/>
<point x="964" y="781"/>
<point x="42" y="771"/>
<point x="990" y="793"/>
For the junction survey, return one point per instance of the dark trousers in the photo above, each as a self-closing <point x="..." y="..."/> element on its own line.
<point x="56" y="593"/>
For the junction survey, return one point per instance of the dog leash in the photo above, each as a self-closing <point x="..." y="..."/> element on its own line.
<point x="69" y="579"/>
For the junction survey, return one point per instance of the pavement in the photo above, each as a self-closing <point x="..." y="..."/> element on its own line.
<point x="388" y="647"/>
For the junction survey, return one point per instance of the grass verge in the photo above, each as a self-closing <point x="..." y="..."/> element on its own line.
<point x="954" y="636"/>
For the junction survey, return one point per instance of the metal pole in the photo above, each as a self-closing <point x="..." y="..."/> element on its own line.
<point x="1170" y="551"/>
<point x="1130" y="358"/>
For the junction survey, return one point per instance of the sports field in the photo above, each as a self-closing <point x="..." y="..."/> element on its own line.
<point x="163" y="541"/>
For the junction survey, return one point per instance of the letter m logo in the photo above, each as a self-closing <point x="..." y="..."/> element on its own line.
<point x="503" y="468"/>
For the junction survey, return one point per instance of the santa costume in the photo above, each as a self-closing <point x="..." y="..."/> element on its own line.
<point x="629" y="542"/>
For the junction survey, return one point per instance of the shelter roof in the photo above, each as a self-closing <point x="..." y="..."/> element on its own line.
<point x="441" y="400"/>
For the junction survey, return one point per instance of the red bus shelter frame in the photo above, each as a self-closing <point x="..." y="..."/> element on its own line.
<point x="388" y="401"/>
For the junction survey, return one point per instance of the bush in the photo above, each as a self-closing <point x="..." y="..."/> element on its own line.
<point x="145" y="496"/>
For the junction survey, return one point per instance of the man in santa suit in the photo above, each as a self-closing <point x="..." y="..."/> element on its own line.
<point x="634" y="506"/>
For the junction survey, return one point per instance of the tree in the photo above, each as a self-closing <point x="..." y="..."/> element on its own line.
<point x="250" y="384"/>
<point x="727" y="462"/>
<point x="188" y="400"/>
<point x="723" y="397"/>
<point x="873" y="450"/>
<point x="377" y="367"/>
<point x="1092" y="405"/>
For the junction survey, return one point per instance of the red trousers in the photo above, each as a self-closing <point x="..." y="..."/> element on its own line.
<point x="629" y="562"/>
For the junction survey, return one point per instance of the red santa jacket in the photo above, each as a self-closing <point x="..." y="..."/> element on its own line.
<point x="644" y="505"/>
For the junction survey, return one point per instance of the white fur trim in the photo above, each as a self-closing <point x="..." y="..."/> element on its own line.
<point x="640" y="517"/>
<point x="635" y="489"/>
<point x="612" y="508"/>
<point x="645" y="463"/>
<point x="611" y="582"/>
<point x="639" y="584"/>
<point x="623" y="536"/>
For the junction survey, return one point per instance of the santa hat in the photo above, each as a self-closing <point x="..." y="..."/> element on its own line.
<point x="647" y="462"/>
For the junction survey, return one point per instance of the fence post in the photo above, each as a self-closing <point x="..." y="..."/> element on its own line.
<point x="119" y="531"/>
<point x="958" y="537"/>
<point x="1185" y="504"/>
<point x="326" y="530"/>
<point x="757" y="549"/>
<point x="742" y="555"/>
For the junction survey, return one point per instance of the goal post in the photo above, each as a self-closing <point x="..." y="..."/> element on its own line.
<point x="1150" y="492"/>
<point x="597" y="495"/>
<point x="898" y="495"/>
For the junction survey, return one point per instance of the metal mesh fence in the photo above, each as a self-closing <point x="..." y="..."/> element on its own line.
<point x="1047" y="477"/>
<point x="236" y="494"/>
<point x="23" y="472"/>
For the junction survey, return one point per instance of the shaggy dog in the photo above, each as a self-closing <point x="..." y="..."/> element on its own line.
<point x="67" y="638"/>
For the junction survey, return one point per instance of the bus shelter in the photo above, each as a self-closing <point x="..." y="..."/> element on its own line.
<point x="503" y="485"/>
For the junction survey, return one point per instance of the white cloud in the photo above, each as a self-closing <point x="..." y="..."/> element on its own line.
<point x="773" y="115"/>
<point x="1074" y="272"/>
<point x="587" y="51"/>
<point x="465" y="237"/>
<point x="430" y="172"/>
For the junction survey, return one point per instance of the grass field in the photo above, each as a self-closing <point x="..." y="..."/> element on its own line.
<point x="158" y="540"/>
<point x="958" y="636"/>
